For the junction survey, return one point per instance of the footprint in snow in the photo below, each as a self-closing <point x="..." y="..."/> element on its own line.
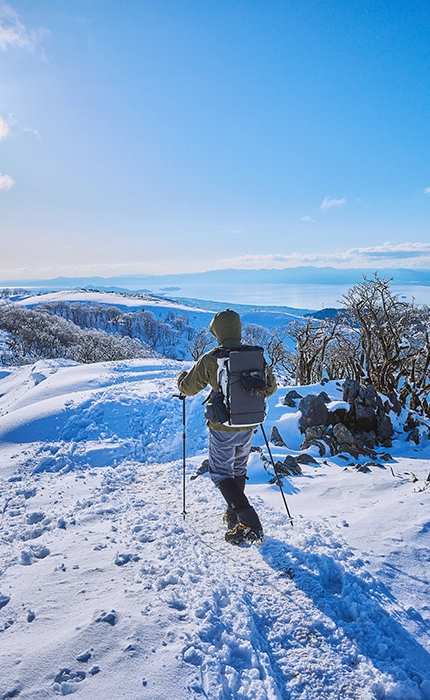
<point x="27" y="493"/>
<point x="111" y="618"/>
<point x="28" y="556"/>
<point x="12" y="693"/>
<point x="34" y="518"/>
<point x="32" y="533"/>
<point x="4" y="600"/>
<point x="66" y="680"/>
<point x="122" y="559"/>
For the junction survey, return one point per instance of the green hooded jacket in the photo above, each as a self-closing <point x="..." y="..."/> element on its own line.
<point x="227" y="329"/>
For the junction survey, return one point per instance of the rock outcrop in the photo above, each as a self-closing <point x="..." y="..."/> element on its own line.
<point x="356" y="431"/>
<point x="314" y="412"/>
<point x="367" y="413"/>
<point x="290" y="398"/>
<point x="276" y="437"/>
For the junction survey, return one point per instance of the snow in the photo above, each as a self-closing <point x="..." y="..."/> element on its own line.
<point x="106" y="591"/>
<point x="122" y="300"/>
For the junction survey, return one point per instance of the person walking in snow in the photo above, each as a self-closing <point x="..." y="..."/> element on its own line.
<point x="229" y="446"/>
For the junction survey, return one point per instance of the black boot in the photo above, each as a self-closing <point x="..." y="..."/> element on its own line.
<point x="233" y="494"/>
<point x="241" y="533"/>
<point x="241" y="480"/>
<point x="249" y="527"/>
<point x="230" y="517"/>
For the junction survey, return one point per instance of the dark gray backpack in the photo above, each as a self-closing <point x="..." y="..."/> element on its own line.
<point x="242" y="381"/>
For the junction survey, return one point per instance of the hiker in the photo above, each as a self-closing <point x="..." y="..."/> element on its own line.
<point x="229" y="446"/>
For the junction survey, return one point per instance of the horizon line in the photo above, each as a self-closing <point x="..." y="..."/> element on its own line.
<point x="145" y="275"/>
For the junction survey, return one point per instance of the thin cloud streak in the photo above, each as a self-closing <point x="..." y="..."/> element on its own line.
<point x="13" y="122"/>
<point x="329" y="202"/>
<point x="403" y="255"/>
<point x="12" y="126"/>
<point x="96" y="269"/>
<point x="406" y="255"/>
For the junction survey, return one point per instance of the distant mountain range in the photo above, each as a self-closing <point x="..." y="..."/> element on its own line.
<point x="290" y="275"/>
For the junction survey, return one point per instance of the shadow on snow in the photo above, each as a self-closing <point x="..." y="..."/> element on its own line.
<point x="358" y="607"/>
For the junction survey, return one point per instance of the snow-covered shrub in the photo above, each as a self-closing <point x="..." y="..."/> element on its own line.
<point x="160" y="335"/>
<point x="34" y="334"/>
<point x="393" y="337"/>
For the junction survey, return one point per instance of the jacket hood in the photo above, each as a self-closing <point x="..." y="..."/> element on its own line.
<point x="226" y="327"/>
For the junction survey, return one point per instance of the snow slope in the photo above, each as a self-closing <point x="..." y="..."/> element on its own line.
<point x="105" y="590"/>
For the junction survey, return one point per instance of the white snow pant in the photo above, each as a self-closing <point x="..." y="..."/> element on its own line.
<point x="228" y="453"/>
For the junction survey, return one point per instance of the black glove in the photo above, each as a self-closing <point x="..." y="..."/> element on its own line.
<point x="182" y="374"/>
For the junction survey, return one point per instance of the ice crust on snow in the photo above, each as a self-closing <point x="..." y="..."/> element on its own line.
<point x="105" y="591"/>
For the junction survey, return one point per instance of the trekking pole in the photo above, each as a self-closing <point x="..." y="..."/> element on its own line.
<point x="182" y="398"/>
<point x="278" y="480"/>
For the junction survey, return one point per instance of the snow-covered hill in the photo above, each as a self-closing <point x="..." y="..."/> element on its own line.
<point x="105" y="590"/>
<point x="200" y="313"/>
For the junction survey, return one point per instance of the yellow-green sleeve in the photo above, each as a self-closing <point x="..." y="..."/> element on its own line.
<point x="199" y="376"/>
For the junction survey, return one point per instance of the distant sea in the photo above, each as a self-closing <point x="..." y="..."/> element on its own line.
<point x="298" y="296"/>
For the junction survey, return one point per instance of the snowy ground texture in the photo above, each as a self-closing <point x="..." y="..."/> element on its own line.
<point x="107" y="592"/>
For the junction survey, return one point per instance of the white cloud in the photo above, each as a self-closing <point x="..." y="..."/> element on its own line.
<point x="329" y="202"/>
<point x="12" y="31"/>
<point x="308" y="219"/>
<point x="389" y="253"/>
<point x="386" y="255"/>
<point x="13" y="34"/>
<point x="6" y="182"/>
<point x="4" y="128"/>
<point x="427" y="191"/>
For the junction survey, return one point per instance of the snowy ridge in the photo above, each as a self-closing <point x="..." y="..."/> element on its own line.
<point x="106" y="591"/>
<point x="122" y="300"/>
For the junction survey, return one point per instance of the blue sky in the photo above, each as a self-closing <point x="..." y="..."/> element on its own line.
<point x="157" y="136"/>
